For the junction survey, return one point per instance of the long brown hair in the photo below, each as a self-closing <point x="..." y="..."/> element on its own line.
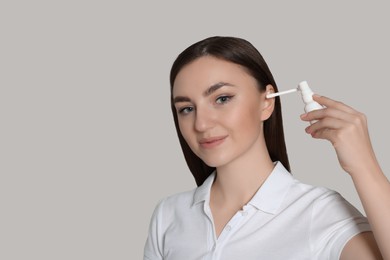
<point x="241" y="52"/>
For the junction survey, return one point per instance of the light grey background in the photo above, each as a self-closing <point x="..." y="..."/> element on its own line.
<point x="88" y="145"/>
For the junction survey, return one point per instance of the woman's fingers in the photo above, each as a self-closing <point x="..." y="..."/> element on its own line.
<point x="328" y="102"/>
<point x="327" y="112"/>
<point x="333" y="109"/>
<point x="345" y="128"/>
<point x="330" y="118"/>
<point x="326" y="128"/>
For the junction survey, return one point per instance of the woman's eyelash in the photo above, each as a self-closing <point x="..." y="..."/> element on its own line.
<point x="185" y="110"/>
<point x="223" y="99"/>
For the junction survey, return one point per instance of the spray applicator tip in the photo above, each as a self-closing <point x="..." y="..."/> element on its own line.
<point x="272" y="95"/>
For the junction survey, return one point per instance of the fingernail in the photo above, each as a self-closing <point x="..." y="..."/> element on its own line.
<point x="303" y="115"/>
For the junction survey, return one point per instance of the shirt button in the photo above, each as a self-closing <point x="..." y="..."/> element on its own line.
<point x="214" y="246"/>
<point x="244" y="213"/>
<point x="228" y="228"/>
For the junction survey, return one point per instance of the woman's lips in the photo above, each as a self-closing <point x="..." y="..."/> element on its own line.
<point x="212" y="141"/>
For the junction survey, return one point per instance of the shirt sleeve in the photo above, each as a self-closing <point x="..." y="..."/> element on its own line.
<point x="334" y="222"/>
<point x="153" y="246"/>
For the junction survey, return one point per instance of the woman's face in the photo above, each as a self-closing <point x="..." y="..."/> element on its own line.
<point x="220" y="110"/>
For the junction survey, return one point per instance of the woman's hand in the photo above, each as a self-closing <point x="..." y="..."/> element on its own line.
<point x="346" y="129"/>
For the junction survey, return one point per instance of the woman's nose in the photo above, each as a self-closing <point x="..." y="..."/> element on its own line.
<point x="204" y="119"/>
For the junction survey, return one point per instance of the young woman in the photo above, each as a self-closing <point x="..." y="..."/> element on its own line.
<point x="247" y="205"/>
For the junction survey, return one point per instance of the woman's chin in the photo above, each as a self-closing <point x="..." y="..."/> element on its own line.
<point x="214" y="163"/>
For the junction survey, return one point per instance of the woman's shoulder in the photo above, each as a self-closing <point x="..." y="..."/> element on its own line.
<point x="307" y="188"/>
<point x="296" y="189"/>
<point x="321" y="200"/>
<point x="293" y="189"/>
<point x="313" y="193"/>
<point x="183" y="199"/>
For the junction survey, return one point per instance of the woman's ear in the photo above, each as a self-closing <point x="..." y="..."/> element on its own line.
<point x="268" y="104"/>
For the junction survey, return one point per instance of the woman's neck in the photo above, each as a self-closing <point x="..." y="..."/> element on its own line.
<point x="237" y="182"/>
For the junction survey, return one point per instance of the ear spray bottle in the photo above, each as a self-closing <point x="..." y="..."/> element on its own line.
<point x="307" y="96"/>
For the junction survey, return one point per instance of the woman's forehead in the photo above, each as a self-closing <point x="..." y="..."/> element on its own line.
<point x="207" y="71"/>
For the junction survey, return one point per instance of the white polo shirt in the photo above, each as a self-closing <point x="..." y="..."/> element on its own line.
<point x="286" y="219"/>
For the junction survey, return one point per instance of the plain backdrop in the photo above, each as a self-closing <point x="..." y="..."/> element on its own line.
<point x="87" y="141"/>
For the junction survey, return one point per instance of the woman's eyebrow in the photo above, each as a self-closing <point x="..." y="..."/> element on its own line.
<point x="206" y="93"/>
<point x="215" y="87"/>
<point x="179" y="99"/>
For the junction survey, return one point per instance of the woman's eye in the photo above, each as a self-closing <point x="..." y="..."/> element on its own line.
<point x="185" y="110"/>
<point x="223" y="99"/>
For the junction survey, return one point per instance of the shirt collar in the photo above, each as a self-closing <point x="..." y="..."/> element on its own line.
<point x="268" y="198"/>
<point x="202" y="193"/>
<point x="273" y="191"/>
